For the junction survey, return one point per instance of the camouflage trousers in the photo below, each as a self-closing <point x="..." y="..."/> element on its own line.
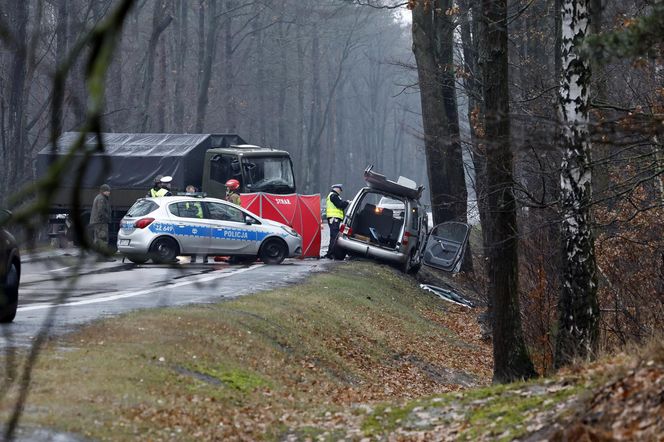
<point x="100" y="238"/>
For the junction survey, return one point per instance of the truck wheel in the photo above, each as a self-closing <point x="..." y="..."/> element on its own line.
<point x="273" y="251"/>
<point x="9" y="303"/>
<point x="164" y="250"/>
<point x="138" y="259"/>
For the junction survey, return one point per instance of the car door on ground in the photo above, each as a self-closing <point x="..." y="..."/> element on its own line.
<point x="190" y="226"/>
<point x="229" y="231"/>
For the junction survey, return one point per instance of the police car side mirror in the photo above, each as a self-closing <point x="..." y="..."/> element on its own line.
<point x="249" y="220"/>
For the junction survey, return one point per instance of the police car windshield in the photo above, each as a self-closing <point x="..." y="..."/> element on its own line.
<point x="272" y="174"/>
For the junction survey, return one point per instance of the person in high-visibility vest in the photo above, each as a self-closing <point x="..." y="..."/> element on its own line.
<point x="154" y="190"/>
<point x="194" y="206"/>
<point x="161" y="186"/>
<point x="334" y="212"/>
<point x="166" y="186"/>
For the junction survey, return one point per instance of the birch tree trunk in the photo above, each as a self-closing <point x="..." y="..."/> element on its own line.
<point x="511" y="359"/>
<point x="578" y="321"/>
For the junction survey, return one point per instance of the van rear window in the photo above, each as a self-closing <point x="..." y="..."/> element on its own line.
<point x="376" y="221"/>
<point x="142" y="208"/>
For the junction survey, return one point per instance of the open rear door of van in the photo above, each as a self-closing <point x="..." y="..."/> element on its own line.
<point x="445" y="246"/>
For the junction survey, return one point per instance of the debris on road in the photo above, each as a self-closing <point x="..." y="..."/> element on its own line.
<point x="447" y="295"/>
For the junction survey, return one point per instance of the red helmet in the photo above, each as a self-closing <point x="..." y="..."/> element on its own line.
<point x="233" y="184"/>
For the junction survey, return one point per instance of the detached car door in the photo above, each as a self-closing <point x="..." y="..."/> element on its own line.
<point x="446" y="245"/>
<point x="229" y="231"/>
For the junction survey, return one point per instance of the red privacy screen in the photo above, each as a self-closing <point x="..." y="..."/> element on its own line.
<point x="301" y="212"/>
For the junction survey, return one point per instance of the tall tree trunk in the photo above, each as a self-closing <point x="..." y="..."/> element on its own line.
<point x="259" y="86"/>
<point x="208" y="59"/>
<point x="163" y="88"/>
<point x="281" y="99"/>
<point x="578" y="310"/>
<point x="558" y="42"/>
<point x="511" y="359"/>
<point x="160" y="21"/>
<point x="312" y="181"/>
<point x="182" y="11"/>
<point x="600" y="151"/>
<point x="301" y="122"/>
<point x="228" y="73"/>
<point x="75" y="84"/>
<point x="469" y="20"/>
<point x="61" y="46"/>
<point x="433" y="46"/>
<point x="16" y="107"/>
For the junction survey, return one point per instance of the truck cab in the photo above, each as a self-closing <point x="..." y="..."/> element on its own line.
<point x="258" y="169"/>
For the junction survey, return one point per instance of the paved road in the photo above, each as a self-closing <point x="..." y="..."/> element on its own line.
<point x="49" y="287"/>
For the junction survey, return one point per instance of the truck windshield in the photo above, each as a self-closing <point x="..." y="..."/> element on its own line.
<point x="268" y="174"/>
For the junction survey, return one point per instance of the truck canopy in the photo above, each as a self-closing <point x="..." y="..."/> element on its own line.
<point x="132" y="160"/>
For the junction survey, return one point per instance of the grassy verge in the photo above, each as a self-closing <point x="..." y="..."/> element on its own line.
<point x="255" y="367"/>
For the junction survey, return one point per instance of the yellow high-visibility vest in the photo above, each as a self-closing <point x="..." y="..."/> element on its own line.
<point x="332" y="211"/>
<point x="158" y="193"/>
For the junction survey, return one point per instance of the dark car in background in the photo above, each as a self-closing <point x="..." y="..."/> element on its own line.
<point x="10" y="271"/>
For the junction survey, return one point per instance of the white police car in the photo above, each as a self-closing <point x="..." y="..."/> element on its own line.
<point x="163" y="228"/>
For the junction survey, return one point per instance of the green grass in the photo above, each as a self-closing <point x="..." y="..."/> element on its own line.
<point x="497" y="412"/>
<point x="251" y="366"/>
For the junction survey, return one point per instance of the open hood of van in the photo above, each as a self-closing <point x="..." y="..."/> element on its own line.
<point x="404" y="187"/>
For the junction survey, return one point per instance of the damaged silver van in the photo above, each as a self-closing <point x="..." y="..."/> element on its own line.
<point x="387" y="222"/>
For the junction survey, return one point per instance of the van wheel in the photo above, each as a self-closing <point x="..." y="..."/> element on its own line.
<point x="9" y="304"/>
<point x="164" y="250"/>
<point x="273" y="251"/>
<point x="339" y="253"/>
<point x="412" y="265"/>
<point x="414" y="269"/>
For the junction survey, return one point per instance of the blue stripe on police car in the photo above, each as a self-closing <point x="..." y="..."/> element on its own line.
<point x="200" y="231"/>
<point x="179" y="230"/>
<point x="239" y="234"/>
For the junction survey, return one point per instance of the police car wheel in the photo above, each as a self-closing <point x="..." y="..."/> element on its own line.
<point x="9" y="293"/>
<point x="164" y="250"/>
<point x="138" y="259"/>
<point x="273" y="251"/>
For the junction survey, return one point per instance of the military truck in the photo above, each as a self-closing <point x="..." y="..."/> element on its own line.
<point x="131" y="161"/>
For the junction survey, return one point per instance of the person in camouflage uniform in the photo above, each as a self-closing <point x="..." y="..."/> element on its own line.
<point x="100" y="217"/>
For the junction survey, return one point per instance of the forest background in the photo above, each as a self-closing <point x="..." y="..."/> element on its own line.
<point x="337" y="84"/>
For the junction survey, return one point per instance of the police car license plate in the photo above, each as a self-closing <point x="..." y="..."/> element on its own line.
<point x="123" y="242"/>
